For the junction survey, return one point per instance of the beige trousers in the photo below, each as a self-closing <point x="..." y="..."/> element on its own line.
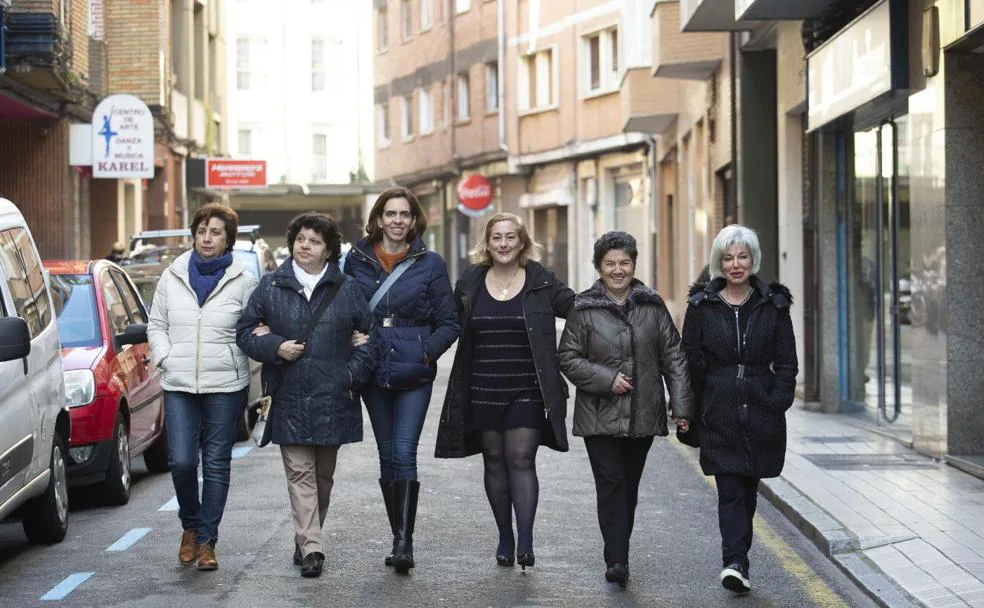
<point x="310" y="475"/>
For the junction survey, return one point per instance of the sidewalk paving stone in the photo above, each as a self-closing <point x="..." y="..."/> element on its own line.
<point x="905" y="527"/>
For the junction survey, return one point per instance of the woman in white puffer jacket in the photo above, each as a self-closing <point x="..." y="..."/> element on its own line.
<point x="192" y="333"/>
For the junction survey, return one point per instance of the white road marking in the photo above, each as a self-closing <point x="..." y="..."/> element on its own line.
<point x="62" y="589"/>
<point x="129" y="539"/>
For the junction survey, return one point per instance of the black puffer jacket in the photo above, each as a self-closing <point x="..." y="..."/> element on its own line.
<point x="743" y="418"/>
<point x="600" y="340"/>
<point x="545" y="298"/>
<point x="316" y="402"/>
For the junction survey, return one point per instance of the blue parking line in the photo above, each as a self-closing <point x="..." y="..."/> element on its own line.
<point x="241" y="451"/>
<point x="62" y="589"/>
<point x="129" y="539"/>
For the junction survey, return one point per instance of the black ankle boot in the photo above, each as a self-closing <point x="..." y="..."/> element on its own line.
<point x="387" y="489"/>
<point x="405" y="494"/>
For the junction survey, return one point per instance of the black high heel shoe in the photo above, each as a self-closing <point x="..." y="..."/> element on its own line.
<point x="618" y="573"/>
<point x="505" y="560"/>
<point x="526" y="559"/>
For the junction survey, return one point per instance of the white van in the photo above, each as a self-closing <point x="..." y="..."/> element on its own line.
<point x="34" y="421"/>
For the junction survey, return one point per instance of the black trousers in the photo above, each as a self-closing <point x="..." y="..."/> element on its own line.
<point x="617" y="464"/>
<point x="737" y="497"/>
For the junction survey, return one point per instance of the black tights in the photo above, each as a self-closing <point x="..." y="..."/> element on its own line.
<point x="511" y="483"/>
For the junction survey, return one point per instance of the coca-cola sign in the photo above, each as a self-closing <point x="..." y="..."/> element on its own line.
<point x="475" y="195"/>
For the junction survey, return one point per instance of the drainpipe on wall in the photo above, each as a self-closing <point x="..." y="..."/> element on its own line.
<point x="500" y="75"/>
<point x="654" y="194"/>
<point x="735" y="175"/>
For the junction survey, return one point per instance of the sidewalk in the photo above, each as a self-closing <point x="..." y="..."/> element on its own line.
<point x="908" y="529"/>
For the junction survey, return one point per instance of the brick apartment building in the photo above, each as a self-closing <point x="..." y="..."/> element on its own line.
<point x="587" y="116"/>
<point x="63" y="56"/>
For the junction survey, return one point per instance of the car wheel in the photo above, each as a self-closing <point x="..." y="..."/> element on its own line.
<point x="116" y="487"/>
<point x="156" y="456"/>
<point x="45" y="519"/>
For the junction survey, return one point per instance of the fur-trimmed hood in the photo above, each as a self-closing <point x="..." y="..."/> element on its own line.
<point x="596" y="297"/>
<point x="775" y="292"/>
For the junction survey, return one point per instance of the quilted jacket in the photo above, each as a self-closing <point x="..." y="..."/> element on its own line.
<point x="601" y="340"/>
<point x="422" y="305"/>
<point x="315" y="398"/>
<point x="743" y="414"/>
<point x="196" y="346"/>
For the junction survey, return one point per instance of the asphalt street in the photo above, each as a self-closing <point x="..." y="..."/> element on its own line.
<point x="126" y="556"/>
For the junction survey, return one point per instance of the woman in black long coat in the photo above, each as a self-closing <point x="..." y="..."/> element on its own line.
<point x="506" y="396"/>
<point x="741" y="352"/>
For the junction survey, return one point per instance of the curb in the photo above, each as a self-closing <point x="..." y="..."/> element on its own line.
<point x="836" y="543"/>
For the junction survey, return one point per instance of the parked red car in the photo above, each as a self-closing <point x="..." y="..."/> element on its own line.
<point x="112" y="390"/>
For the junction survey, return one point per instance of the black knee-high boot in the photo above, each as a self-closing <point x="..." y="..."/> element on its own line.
<point x="387" y="489"/>
<point x="405" y="494"/>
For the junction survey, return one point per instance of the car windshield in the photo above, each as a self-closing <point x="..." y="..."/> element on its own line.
<point x="249" y="259"/>
<point x="75" y="306"/>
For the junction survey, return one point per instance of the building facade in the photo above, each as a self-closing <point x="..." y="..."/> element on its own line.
<point x="298" y="93"/>
<point x="585" y="117"/>
<point x="876" y="107"/>
<point x="60" y="59"/>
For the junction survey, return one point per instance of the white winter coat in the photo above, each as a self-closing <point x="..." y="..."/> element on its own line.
<point x="196" y="347"/>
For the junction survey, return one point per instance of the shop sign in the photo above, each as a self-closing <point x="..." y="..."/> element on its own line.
<point x="229" y="173"/>
<point x="475" y="196"/>
<point x="123" y="138"/>
<point x="860" y="63"/>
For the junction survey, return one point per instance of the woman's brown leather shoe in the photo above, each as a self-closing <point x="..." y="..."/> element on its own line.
<point x="206" y="557"/>
<point x="188" y="551"/>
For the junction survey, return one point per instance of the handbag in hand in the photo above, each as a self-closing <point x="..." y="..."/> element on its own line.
<point x="263" y="430"/>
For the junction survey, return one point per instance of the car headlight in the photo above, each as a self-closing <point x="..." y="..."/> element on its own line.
<point x="80" y="387"/>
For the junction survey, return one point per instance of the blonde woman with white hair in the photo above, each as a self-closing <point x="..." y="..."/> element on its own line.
<point x="741" y="353"/>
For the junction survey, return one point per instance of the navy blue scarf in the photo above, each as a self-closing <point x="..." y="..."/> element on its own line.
<point x="204" y="275"/>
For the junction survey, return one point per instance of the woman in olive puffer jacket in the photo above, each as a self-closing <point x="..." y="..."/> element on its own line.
<point x="618" y="347"/>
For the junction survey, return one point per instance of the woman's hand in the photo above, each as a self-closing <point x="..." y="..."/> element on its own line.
<point x="682" y="424"/>
<point x="261" y="330"/>
<point x="622" y="384"/>
<point x="290" y="350"/>
<point x="359" y="338"/>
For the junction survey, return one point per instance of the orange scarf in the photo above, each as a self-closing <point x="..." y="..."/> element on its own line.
<point x="388" y="260"/>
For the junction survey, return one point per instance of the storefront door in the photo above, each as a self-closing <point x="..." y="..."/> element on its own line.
<point x="878" y="262"/>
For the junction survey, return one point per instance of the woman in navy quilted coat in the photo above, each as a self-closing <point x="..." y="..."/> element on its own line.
<point x="414" y="321"/>
<point x="741" y="353"/>
<point x="314" y="379"/>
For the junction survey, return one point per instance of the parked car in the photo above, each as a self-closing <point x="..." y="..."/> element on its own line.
<point x="113" y="392"/>
<point x="145" y="266"/>
<point x="35" y="427"/>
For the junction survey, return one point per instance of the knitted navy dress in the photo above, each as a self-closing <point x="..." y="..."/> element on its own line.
<point x="503" y="390"/>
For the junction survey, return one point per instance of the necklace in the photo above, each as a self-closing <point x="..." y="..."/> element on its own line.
<point x="504" y="289"/>
<point x="724" y="296"/>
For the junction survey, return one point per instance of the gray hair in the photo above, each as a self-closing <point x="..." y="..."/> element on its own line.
<point x="732" y="235"/>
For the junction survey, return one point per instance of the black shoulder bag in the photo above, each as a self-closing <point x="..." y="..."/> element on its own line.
<point x="262" y="430"/>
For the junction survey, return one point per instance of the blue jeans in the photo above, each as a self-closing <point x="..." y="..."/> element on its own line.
<point x="205" y="422"/>
<point x="397" y="419"/>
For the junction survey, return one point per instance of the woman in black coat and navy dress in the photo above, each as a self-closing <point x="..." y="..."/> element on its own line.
<point x="506" y="396"/>
<point x="741" y="353"/>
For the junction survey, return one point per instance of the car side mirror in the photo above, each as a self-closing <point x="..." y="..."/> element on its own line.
<point x="135" y="333"/>
<point x="15" y="339"/>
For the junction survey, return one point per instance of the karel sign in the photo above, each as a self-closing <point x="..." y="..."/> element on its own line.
<point x="123" y="138"/>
